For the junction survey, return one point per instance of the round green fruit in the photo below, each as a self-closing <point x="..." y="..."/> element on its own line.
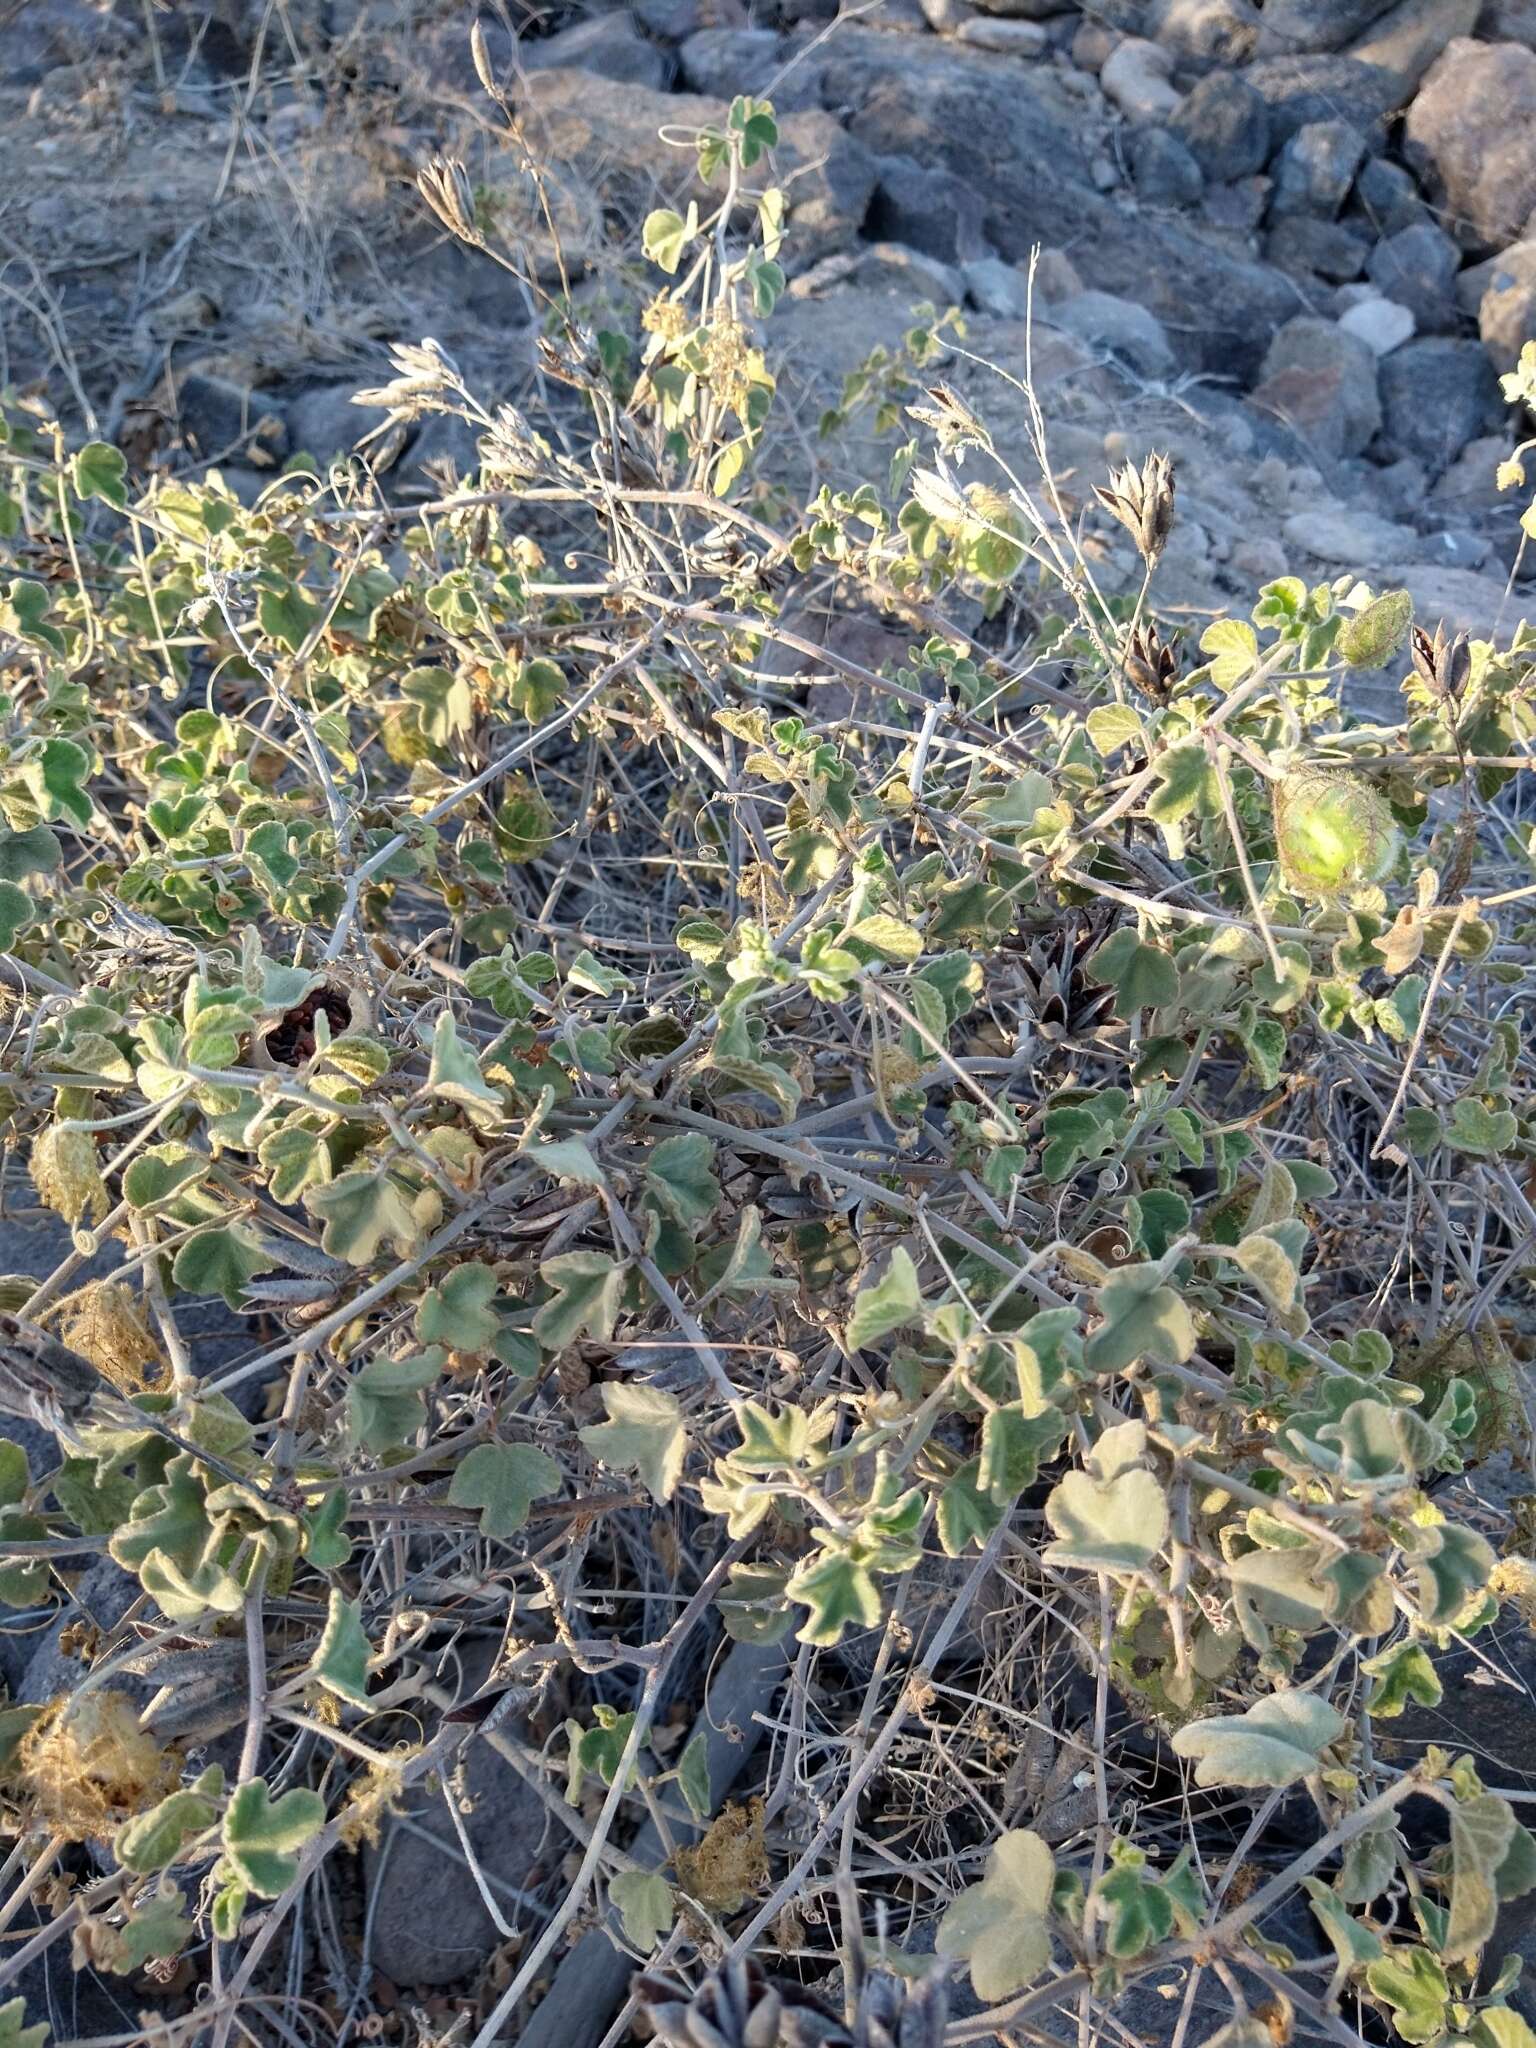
<point x="1334" y="832"/>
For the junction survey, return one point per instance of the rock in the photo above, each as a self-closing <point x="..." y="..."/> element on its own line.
<point x="1164" y="172"/>
<point x="1322" y="383"/>
<point x="725" y="61"/>
<point x="1224" y="124"/>
<point x="1478" y="165"/>
<point x="1298" y="25"/>
<point x="1119" y="325"/>
<point x="929" y="210"/>
<point x="1032" y="186"/>
<point x="102" y="1596"/>
<point x="1056" y="276"/>
<point x="1298" y="90"/>
<point x="1092" y="45"/>
<point x="1023" y="10"/>
<point x="998" y="287"/>
<point x="1345" y="537"/>
<point x="1009" y="38"/>
<point x="1315" y="169"/>
<point x="1417" y="266"/>
<point x="1388" y="197"/>
<point x="1509" y="21"/>
<point x="1138" y="77"/>
<point x="1220" y="31"/>
<point x="1382" y="324"/>
<point x="945" y="16"/>
<point x="1468" y="493"/>
<point x="428" y="1920"/>
<point x="608" y="131"/>
<point x="1238" y="207"/>
<point x="610" y="46"/>
<point x="1409" y="39"/>
<point x="216" y="418"/>
<point x="1435" y="396"/>
<point x="673" y="20"/>
<point x="1506" y="313"/>
<point x="893" y="267"/>
<point x="1325" y="248"/>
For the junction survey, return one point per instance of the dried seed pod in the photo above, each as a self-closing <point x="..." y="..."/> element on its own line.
<point x="444" y="184"/>
<point x="1151" y="666"/>
<point x="1334" y="831"/>
<point x="1142" y="501"/>
<point x="1443" y="664"/>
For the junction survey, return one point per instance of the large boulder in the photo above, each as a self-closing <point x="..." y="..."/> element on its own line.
<point x="604" y="134"/>
<point x="1032" y="186"/>
<point x="1321" y="382"/>
<point x="1224" y="124"/>
<point x="1298" y="90"/>
<point x="1417" y="267"/>
<point x="1471" y="136"/>
<point x="1409" y="39"/>
<point x="609" y="45"/>
<point x="1436" y="395"/>
<point x="1294" y="26"/>
<point x="1506" y="314"/>
<point x="1316" y="168"/>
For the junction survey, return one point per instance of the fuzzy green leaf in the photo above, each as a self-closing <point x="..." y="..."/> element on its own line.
<point x="503" y="1481"/>
<point x="644" y="1433"/>
<point x="262" y="1834"/>
<point x="1001" y="1926"/>
<point x="587" y="1289"/>
<point x="893" y="1301"/>
<point x="1276" y="1742"/>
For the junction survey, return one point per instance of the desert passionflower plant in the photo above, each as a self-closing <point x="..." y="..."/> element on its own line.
<point x="957" y="1210"/>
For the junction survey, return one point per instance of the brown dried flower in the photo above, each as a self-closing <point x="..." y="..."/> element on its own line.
<point x="1142" y="501"/>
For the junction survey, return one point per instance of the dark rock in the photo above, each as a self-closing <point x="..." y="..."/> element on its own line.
<point x="672" y="20"/>
<point x="428" y="1919"/>
<point x="1315" y="169"/>
<point x="609" y="45"/>
<point x="217" y="418"/>
<point x="1471" y="137"/>
<point x="1417" y="266"/>
<point x="1436" y="395"/>
<point x="1220" y="31"/>
<point x="1409" y="39"/>
<point x="1299" y="90"/>
<point x="725" y="61"/>
<point x="103" y="1595"/>
<point x="1224" y="124"/>
<point x="1324" y="248"/>
<point x="38" y="37"/>
<point x="1124" y="328"/>
<point x="1164" y="171"/>
<point x="928" y="210"/>
<point x="1322" y="383"/>
<point x="1032" y="186"/>
<point x="1506" y="314"/>
<point x="1293" y="26"/>
<point x="325" y="423"/>
<point x="1238" y="207"/>
<point x="1387" y="196"/>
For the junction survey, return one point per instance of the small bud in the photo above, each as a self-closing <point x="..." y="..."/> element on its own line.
<point x="1142" y="501"/>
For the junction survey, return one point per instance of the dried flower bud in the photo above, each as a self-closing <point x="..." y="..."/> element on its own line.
<point x="1151" y="666"/>
<point x="953" y="423"/>
<point x="1142" y="501"/>
<point x="444" y="184"/>
<point x="482" y="61"/>
<point x="1443" y="664"/>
